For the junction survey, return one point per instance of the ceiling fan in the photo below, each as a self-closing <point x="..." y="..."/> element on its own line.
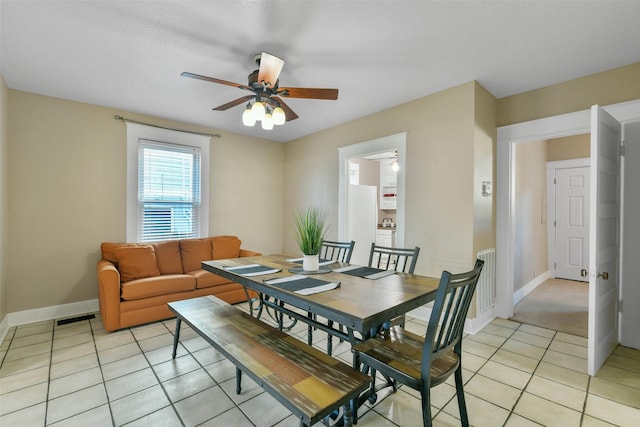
<point x="263" y="82"/>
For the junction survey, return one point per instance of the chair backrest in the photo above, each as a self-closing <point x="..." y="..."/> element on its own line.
<point x="448" y="314"/>
<point x="398" y="259"/>
<point x="336" y="251"/>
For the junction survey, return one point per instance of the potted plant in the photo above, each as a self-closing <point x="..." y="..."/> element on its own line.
<point x="310" y="227"/>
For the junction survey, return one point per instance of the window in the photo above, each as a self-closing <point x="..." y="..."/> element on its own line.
<point x="166" y="184"/>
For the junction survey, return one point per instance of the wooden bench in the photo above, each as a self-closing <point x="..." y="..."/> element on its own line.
<point x="308" y="382"/>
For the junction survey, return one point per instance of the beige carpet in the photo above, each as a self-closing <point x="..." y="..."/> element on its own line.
<point x="562" y="305"/>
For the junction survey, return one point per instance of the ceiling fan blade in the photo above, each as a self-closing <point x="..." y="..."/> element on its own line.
<point x="270" y="67"/>
<point x="214" y="80"/>
<point x="233" y="103"/>
<point x="308" y="92"/>
<point x="288" y="112"/>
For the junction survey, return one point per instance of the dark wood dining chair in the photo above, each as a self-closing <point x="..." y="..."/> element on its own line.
<point x="338" y="252"/>
<point x="398" y="259"/>
<point x="425" y="362"/>
<point x="386" y="258"/>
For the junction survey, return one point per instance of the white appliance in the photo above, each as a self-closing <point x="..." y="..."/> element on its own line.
<point x="362" y="220"/>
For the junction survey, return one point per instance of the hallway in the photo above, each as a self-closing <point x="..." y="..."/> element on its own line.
<point x="558" y="304"/>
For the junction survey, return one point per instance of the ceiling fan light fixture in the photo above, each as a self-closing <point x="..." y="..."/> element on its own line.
<point x="278" y="116"/>
<point x="258" y="110"/>
<point x="267" y="122"/>
<point x="248" y="119"/>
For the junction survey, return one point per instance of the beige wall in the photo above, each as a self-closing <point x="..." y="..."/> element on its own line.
<point x="484" y="169"/>
<point x="4" y="194"/>
<point x="609" y="87"/>
<point x="530" y="251"/>
<point x="67" y="173"/>
<point x="440" y="172"/>
<point x="68" y="179"/>
<point x="569" y="147"/>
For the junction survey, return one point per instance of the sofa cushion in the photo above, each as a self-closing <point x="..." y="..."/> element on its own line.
<point x="155" y="286"/>
<point x="226" y="247"/>
<point x="193" y="252"/>
<point x="168" y="256"/>
<point x="204" y="279"/>
<point x="136" y="262"/>
<point x="109" y="250"/>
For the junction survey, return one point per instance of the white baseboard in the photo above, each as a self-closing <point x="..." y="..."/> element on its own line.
<point x="4" y="328"/>
<point x="529" y="287"/>
<point x="471" y="325"/>
<point x="47" y="313"/>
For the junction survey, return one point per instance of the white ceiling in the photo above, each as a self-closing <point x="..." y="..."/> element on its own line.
<point x="128" y="55"/>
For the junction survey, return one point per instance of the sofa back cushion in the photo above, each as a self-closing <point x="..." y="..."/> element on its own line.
<point x="226" y="247"/>
<point x="136" y="262"/>
<point x="193" y="252"/>
<point x="168" y="256"/>
<point x="109" y="250"/>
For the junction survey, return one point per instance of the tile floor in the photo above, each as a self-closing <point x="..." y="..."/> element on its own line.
<point x="515" y="375"/>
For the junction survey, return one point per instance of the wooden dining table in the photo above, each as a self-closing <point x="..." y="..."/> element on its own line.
<point x="359" y="304"/>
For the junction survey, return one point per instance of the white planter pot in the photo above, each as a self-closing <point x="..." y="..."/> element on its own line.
<point x="311" y="262"/>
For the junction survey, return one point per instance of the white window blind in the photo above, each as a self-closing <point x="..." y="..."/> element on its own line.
<point x="167" y="184"/>
<point x="168" y="191"/>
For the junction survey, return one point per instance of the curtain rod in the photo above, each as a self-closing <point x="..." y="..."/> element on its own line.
<point x="210" y="135"/>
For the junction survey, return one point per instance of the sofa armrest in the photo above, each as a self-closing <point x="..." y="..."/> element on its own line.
<point x="246" y="253"/>
<point x="109" y="294"/>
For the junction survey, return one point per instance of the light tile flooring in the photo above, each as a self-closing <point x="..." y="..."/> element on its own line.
<point x="515" y="375"/>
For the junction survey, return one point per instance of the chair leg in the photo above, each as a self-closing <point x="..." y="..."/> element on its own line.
<point x="425" y="394"/>
<point x="460" y="394"/>
<point x="373" y="382"/>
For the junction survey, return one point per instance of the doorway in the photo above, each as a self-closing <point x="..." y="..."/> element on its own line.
<point x="392" y="143"/>
<point x="537" y="165"/>
<point x="508" y="138"/>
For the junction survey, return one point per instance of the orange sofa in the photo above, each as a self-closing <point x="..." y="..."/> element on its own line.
<point x="136" y="281"/>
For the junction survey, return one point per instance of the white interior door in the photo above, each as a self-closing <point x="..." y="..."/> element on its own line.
<point x="604" y="238"/>
<point x="572" y="222"/>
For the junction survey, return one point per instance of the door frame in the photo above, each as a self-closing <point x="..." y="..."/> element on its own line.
<point x="552" y="168"/>
<point x="508" y="136"/>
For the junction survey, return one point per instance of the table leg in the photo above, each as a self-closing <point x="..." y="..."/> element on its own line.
<point x="176" y="337"/>
<point x="348" y="418"/>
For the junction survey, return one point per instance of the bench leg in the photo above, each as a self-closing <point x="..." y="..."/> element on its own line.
<point x="176" y="337"/>
<point x="238" y="381"/>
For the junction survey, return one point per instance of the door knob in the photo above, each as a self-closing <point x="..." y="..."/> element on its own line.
<point x="604" y="275"/>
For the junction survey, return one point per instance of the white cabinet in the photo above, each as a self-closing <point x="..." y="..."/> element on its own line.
<point x="384" y="238"/>
<point x="388" y="185"/>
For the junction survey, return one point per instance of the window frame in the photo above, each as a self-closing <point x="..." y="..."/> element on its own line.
<point x="137" y="132"/>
